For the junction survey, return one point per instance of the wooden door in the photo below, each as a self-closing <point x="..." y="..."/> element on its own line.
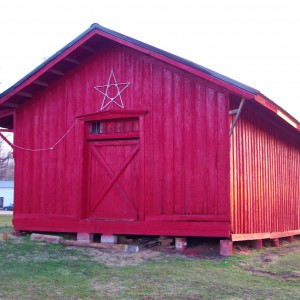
<point x="113" y="179"/>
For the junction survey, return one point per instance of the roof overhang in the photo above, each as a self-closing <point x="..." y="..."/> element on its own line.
<point x="277" y="111"/>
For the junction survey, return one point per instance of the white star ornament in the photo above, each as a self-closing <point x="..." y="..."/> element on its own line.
<point x="112" y="91"/>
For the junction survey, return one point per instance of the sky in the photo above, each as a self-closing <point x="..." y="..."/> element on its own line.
<point x="255" y="42"/>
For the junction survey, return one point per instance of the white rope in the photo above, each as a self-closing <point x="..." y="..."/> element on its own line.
<point x="49" y="148"/>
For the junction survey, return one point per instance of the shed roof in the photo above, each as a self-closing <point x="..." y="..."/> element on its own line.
<point x="89" y="42"/>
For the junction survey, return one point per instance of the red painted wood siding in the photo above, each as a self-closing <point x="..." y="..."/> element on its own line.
<point x="185" y="139"/>
<point x="265" y="168"/>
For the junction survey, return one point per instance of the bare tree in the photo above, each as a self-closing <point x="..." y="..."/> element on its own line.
<point x="6" y="162"/>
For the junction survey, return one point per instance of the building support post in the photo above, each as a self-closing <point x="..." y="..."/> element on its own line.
<point x="109" y="238"/>
<point x="226" y="248"/>
<point x="257" y="244"/>
<point x="85" y="237"/>
<point x="180" y="243"/>
<point x="275" y="242"/>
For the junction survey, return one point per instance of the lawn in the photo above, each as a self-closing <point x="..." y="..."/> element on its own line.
<point x="37" y="270"/>
<point x="5" y="220"/>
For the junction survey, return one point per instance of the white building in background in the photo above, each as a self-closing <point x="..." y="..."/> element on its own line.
<point x="6" y="193"/>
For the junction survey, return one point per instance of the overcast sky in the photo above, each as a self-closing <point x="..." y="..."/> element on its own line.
<point x="256" y="42"/>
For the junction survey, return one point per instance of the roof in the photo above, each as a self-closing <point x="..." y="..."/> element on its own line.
<point x="6" y="184"/>
<point x="89" y="42"/>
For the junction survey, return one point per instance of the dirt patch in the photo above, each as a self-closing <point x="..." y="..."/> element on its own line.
<point x="113" y="258"/>
<point x="151" y="250"/>
<point x="275" y="262"/>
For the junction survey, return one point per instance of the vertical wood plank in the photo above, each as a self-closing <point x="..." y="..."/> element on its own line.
<point x="187" y="147"/>
<point x="167" y="142"/>
<point x="211" y="151"/>
<point x="157" y="139"/>
<point x="223" y="172"/>
<point x="200" y="148"/>
<point x="178" y="142"/>
<point x="265" y="162"/>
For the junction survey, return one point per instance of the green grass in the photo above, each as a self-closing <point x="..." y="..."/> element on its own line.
<point x="5" y="219"/>
<point x="5" y="223"/>
<point x="35" y="270"/>
<point x="282" y="262"/>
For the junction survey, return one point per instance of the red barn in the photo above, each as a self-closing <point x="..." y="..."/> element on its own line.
<point x="114" y="136"/>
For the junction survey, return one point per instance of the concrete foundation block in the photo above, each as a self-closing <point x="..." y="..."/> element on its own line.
<point x="226" y="248"/>
<point x="52" y="239"/>
<point x="36" y="237"/>
<point x="180" y="243"/>
<point x="275" y="242"/>
<point x="85" y="237"/>
<point x="257" y="244"/>
<point x="46" y="238"/>
<point x="110" y="239"/>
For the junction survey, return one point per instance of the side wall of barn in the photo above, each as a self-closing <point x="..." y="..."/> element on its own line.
<point x="186" y="147"/>
<point x="265" y="167"/>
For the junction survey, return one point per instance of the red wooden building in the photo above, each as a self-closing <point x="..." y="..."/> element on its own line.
<point x="114" y="136"/>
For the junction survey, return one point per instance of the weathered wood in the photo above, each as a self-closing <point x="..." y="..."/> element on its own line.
<point x="72" y="60"/>
<point x="233" y="111"/>
<point x="176" y="179"/>
<point x="179" y="181"/>
<point x="180" y="218"/>
<point x="264" y="235"/>
<point x="250" y="236"/>
<point x="120" y="247"/>
<point x="265" y="160"/>
<point x="41" y="83"/>
<point x="60" y="224"/>
<point x="25" y="94"/>
<point x="54" y="239"/>
<point x="56" y="72"/>
<point x="237" y="116"/>
<point x="284" y="234"/>
<point x="89" y="49"/>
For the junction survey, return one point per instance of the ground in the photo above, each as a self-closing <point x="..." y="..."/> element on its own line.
<point x="39" y="270"/>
